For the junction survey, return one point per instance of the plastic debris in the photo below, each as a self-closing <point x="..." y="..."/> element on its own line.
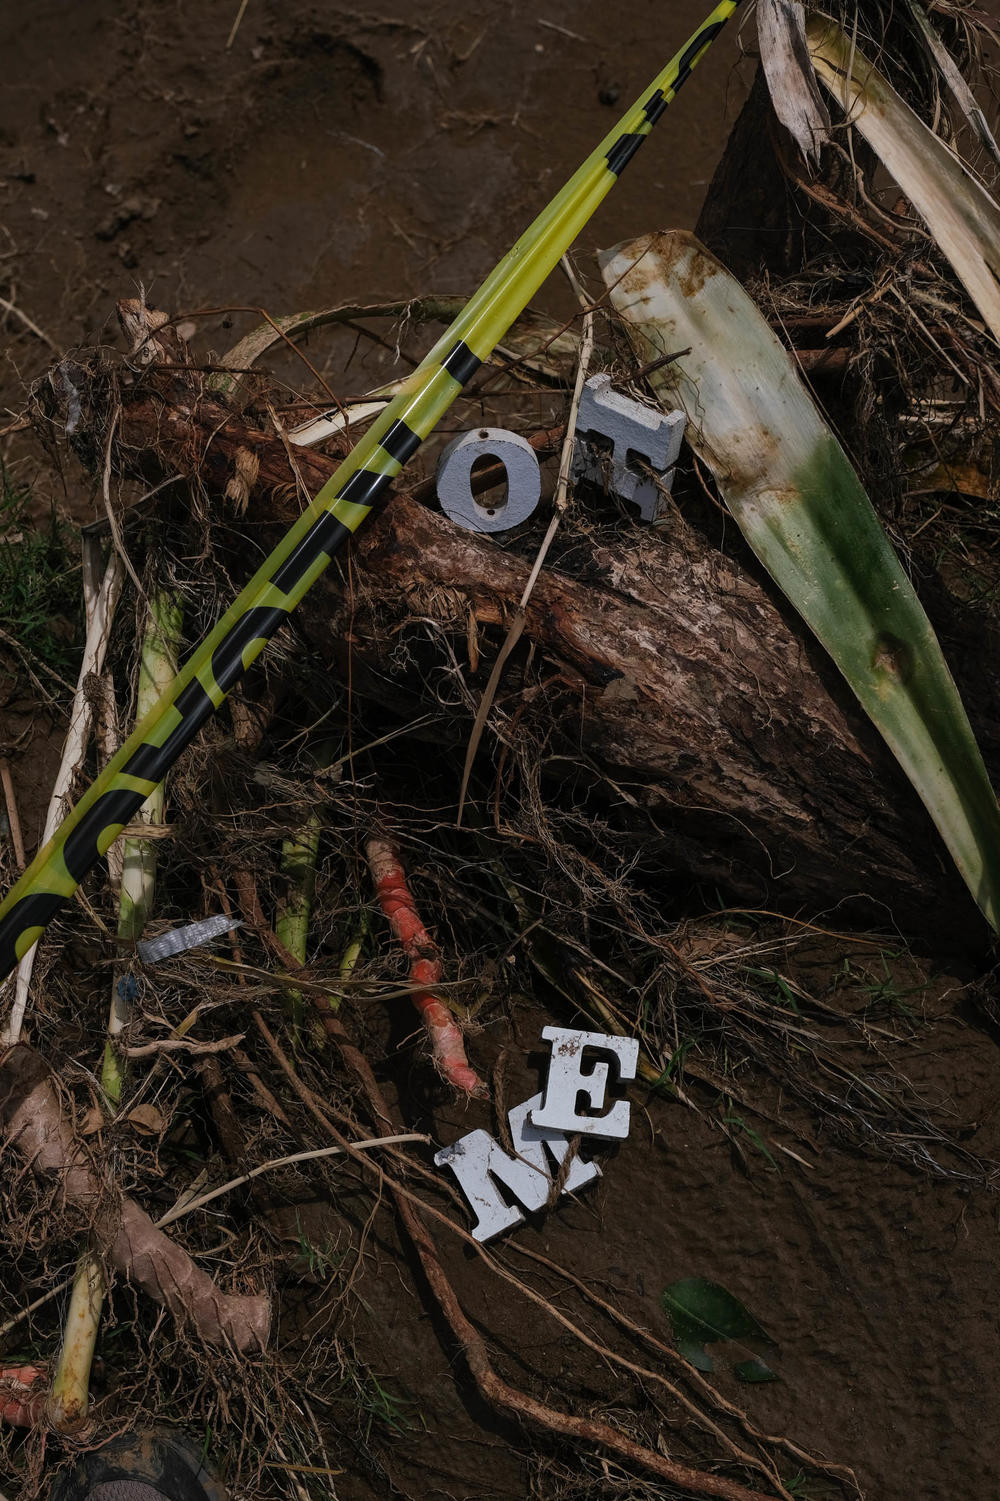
<point x="152" y="950"/>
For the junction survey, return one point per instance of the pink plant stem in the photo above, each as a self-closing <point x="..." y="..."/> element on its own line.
<point x="399" y="908"/>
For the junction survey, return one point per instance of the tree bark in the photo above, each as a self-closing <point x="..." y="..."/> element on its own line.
<point x="684" y="676"/>
<point x="668" y="663"/>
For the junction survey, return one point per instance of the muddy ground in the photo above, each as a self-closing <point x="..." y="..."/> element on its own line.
<point x="327" y="153"/>
<point x="331" y="153"/>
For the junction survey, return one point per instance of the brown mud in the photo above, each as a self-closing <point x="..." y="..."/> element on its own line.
<point x="333" y="153"/>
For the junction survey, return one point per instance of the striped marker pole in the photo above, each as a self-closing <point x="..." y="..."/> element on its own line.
<point x="345" y="501"/>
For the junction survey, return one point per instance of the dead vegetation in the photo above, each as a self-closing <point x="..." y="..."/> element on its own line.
<point x="587" y="843"/>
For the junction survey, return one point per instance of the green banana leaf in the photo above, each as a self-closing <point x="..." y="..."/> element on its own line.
<point x="801" y="507"/>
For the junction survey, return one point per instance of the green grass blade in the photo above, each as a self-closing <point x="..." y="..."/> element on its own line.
<point x="801" y="507"/>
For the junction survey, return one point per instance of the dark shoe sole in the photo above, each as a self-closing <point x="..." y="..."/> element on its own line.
<point x="155" y="1465"/>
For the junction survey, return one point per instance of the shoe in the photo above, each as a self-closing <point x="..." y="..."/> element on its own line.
<point x="155" y="1465"/>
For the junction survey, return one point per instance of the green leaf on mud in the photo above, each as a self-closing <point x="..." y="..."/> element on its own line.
<point x="755" y="1371"/>
<point x="701" y="1313"/>
<point x="695" y="1355"/>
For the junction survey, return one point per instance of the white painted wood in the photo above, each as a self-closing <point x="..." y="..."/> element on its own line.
<point x="567" y="1080"/>
<point x="489" y="512"/>
<point x="632" y="429"/>
<point x="480" y="1165"/>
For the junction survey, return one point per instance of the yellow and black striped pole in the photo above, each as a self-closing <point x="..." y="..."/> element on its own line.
<point x="345" y="501"/>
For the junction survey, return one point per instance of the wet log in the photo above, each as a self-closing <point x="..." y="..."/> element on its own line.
<point x="671" y="665"/>
<point x="680" y="676"/>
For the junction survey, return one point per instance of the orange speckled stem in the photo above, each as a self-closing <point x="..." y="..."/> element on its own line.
<point x="396" y="901"/>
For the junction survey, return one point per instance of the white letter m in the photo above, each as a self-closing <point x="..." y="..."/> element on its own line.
<point x="477" y="1160"/>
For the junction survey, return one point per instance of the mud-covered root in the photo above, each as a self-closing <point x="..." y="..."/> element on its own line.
<point x="37" y="1129"/>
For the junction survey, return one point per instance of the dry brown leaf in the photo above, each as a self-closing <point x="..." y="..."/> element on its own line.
<point x="147" y="1120"/>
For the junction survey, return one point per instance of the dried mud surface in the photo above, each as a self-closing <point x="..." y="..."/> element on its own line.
<point x="335" y="153"/>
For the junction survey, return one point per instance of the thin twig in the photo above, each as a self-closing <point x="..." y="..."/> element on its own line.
<point x="277" y="1464"/>
<point x="182" y="1045"/>
<point x="116" y="531"/>
<point x="25" y="1313"/>
<point x="29" y="323"/>
<point x="236" y="24"/>
<point x="12" y="817"/>
<point x="564" y="31"/>
<point x="267" y="1167"/>
<point x="364" y="989"/>
<point x="560" y="502"/>
<point x="28" y="657"/>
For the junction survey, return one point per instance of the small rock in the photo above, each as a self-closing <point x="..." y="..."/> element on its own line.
<point x="135" y="206"/>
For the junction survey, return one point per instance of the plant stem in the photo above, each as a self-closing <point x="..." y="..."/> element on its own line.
<point x="299" y="853"/>
<point x="349" y="958"/>
<point x="100" y="617"/>
<point x="157" y="665"/>
<point x="69" y="1398"/>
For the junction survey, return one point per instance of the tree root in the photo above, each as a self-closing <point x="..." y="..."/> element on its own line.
<point x="491" y="1386"/>
<point x="37" y="1129"/>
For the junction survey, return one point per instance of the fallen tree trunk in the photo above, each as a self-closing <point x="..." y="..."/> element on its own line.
<point x="669" y="662"/>
<point x="684" y="675"/>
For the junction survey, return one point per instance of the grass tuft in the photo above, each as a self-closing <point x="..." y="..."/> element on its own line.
<point x="40" y="601"/>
